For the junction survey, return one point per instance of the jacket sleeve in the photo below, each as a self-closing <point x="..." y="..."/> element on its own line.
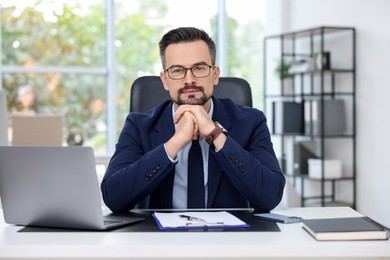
<point x="249" y="161"/>
<point x="132" y="173"/>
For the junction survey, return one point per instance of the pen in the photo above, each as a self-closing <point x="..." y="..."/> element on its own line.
<point x="190" y="218"/>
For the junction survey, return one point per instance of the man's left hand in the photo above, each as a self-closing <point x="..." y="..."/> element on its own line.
<point x="205" y="123"/>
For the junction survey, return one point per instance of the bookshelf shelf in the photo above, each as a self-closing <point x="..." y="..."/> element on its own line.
<point x="318" y="111"/>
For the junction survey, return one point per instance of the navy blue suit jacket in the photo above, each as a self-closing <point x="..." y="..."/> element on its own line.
<point x="244" y="173"/>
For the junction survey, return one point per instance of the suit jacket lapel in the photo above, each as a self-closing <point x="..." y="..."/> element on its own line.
<point x="163" y="130"/>
<point x="215" y="172"/>
<point x="164" y="127"/>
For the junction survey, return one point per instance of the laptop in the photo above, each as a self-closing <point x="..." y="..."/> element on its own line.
<point x="53" y="186"/>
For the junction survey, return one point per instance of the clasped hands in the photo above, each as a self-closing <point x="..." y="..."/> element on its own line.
<point x="191" y="122"/>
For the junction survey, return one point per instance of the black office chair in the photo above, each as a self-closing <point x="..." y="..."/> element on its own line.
<point x="148" y="92"/>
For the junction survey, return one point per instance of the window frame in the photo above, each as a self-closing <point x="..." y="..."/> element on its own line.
<point x="108" y="70"/>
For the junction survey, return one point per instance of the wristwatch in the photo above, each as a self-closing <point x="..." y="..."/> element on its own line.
<point x="215" y="133"/>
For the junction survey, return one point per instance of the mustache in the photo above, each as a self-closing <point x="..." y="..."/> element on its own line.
<point x="181" y="90"/>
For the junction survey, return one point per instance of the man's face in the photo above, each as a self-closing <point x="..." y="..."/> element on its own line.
<point x="190" y="90"/>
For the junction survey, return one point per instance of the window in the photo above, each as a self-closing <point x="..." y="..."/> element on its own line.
<point x="79" y="59"/>
<point x="53" y="62"/>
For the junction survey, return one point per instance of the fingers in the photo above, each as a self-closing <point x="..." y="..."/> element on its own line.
<point x="203" y="122"/>
<point x="187" y="127"/>
<point x="180" y="111"/>
<point x="195" y="125"/>
<point x="187" y="121"/>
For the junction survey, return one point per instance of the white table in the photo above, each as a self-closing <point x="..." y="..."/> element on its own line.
<point x="291" y="242"/>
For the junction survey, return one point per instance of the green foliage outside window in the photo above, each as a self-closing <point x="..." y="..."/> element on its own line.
<point x="76" y="39"/>
<point x="75" y="36"/>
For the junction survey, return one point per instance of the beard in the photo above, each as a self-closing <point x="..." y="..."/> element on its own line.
<point x="191" y="99"/>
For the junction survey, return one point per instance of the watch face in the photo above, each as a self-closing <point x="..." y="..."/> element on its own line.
<point x="219" y="125"/>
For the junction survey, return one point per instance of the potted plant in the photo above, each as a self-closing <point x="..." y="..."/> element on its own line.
<point x="281" y="70"/>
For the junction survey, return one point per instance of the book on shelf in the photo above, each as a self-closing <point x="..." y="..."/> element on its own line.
<point x="333" y="111"/>
<point x="356" y="228"/>
<point x="287" y="117"/>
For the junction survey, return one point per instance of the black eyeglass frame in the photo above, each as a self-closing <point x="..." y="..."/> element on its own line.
<point x="185" y="74"/>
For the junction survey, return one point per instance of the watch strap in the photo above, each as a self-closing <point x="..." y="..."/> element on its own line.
<point x="214" y="134"/>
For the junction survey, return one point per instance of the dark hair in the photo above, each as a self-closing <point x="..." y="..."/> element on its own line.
<point x="186" y="34"/>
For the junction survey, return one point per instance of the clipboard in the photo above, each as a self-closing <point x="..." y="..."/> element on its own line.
<point x="198" y="221"/>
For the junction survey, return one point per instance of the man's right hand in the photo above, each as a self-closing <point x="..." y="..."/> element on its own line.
<point x="187" y="130"/>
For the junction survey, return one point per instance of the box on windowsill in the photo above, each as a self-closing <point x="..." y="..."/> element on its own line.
<point x="332" y="169"/>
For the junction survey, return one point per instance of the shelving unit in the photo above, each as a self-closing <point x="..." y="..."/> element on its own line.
<point x="317" y="78"/>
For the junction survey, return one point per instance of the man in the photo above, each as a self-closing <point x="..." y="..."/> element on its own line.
<point x="153" y="161"/>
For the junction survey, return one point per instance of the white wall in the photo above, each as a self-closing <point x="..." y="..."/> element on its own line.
<point x="372" y="22"/>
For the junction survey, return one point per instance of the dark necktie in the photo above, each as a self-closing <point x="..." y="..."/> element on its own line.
<point x="195" y="188"/>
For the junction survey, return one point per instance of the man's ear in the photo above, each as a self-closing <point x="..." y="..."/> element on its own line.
<point x="163" y="77"/>
<point x="216" y="73"/>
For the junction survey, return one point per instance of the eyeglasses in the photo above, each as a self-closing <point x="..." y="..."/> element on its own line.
<point x="198" y="71"/>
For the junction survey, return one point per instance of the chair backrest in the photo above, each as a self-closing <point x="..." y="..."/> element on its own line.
<point x="148" y="92"/>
